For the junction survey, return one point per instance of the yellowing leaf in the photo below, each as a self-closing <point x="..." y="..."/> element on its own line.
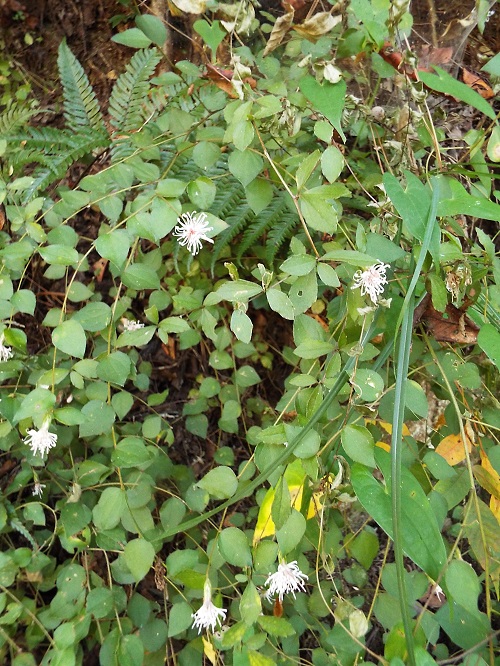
<point x="452" y="449"/>
<point x="384" y="445"/>
<point x="495" y="507"/>
<point x="295" y="477"/>
<point x="388" y="426"/>
<point x="209" y="651"/>
<point x="265" y="525"/>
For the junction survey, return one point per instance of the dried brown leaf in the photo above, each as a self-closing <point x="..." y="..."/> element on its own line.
<point x="280" y="29"/>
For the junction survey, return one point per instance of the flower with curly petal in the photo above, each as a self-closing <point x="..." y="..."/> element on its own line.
<point x="5" y="352"/>
<point x="191" y="230"/>
<point x="131" y="324"/>
<point x="209" y="615"/>
<point x="41" y="441"/>
<point x="288" y="578"/>
<point x="38" y="489"/>
<point x="371" y="281"/>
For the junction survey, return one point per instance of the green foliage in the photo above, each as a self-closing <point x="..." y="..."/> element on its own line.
<point x="195" y="436"/>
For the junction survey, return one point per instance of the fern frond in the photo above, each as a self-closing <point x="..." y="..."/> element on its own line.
<point x="237" y="221"/>
<point x="19" y="527"/>
<point x="81" y="108"/>
<point x="279" y="233"/>
<point x="267" y="219"/>
<point x="16" y="114"/>
<point x="126" y="104"/>
<point x="54" y="159"/>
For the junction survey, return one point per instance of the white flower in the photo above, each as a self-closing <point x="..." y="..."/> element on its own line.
<point x="191" y="230"/>
<point x="288" y="578"/>
<point x="438" y="591"/>
<point x="38" y="489"/>
<point x="209" y="615"/>
<point x="131" y="325"/>
<point x="5" y="352"/>
<point x="371" y="281"/>
<point x="41" y="441"/>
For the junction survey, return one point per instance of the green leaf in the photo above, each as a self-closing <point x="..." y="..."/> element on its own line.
<point x="463" y="584"/>
<point x="130" y="650"/>
<point x="259" y="194"/>
<point x="358" y="444"/>
<point x="114" y="246"/>
<point x="245" y="166"/>
<point x="212" y="34"/>
<point x="309" y="446"/>
<point x="328" y="275"/>
<point x="290" y="535"/>
<point x="140" y="276"/>
<point x="60" y="255"/>
<point x="489" y="340"/>
<point x="368" y="384"/>
<point x="327" y="98"/>
<point x="137" y="338"/>
<point x="250" y="604"/>
<point x="99" y="418"/>
<point x="438" y="292"/>
<point x="174" y="325"/>
<point x="115" y="368"/>
<point x="234" y="548"/>
<point x="304" y="292"/>
<point x="69" y="337"/>
<point x="139" y="555"/>
<point x="306" y="169"/>
<point x="281" y="506"/>
<point x="132" y="37"/>
<point x="444" y="83"/>
<point x="238" y="291"/>
<point x="100" y="602"/>
<point x="421" y="536"/>
<point x="108" y="511"/>
<point x="332" y="163"/>
<point x="276" y="626"/>
<point x="152" y="27"/>
<point x="313" y="349"/>
<point x="179" y="618"/>
<point x="131" y="452"/>
<point x="220" y="482"/>
<point x="280" y="303"/>
<point x="298" y="264"/>
<point x="201" y="193"/>
<point x="246" y="376"/>
<point x="412" y="203"/>
<point x="318" y="212"/>
<point x="241" y="325"/>
<point x="206" y="154"/>
<point x="93" y="317"/>
<point x="35" y="405"/>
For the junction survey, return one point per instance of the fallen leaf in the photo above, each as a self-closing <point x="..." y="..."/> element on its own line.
<point x="477" y="83"/>
<point x="452" y="325"/>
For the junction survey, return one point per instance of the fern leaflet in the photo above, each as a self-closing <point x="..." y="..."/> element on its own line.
<point x="81" y="108"/>
<point x="130" y="90"/>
